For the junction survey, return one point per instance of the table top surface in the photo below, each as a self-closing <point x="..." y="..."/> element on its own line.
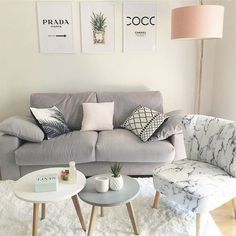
<point x="24" y="187"/>
<point x="129" y="191"/>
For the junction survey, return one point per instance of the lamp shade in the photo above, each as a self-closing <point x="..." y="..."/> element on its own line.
<point x="197" y="22"/>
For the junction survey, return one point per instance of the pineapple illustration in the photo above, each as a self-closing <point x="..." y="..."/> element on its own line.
<point x="98" y="22"/>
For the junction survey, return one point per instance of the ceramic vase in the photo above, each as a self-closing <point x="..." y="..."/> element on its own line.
<point x="116" y="183"/>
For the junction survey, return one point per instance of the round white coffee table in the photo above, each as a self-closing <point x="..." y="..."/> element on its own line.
<point x="24" y="190"/>
<point x="111" y="198"/>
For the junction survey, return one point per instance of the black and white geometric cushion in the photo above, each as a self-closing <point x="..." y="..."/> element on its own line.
<point x="144" y="122"/>
<point x="51" y="121"/>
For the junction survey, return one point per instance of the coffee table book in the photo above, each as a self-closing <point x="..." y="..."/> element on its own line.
<point x="46" y="183"/>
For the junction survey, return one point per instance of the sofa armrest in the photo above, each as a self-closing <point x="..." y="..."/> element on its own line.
<point x="8" y="167"/>
<point x="177" y="140"/>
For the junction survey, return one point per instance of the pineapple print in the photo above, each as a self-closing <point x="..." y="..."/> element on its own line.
<point x="98" y="22"/>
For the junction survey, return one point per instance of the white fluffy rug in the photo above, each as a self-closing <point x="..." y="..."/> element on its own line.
<point x="61" y="219"/>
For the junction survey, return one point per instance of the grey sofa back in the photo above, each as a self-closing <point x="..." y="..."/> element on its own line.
<point x="126" y="102"/>
<point x="71" y="104"/>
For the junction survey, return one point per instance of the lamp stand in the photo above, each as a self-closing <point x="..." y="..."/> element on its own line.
<point x="198" y="22"/>
<point x="199" y="81"/>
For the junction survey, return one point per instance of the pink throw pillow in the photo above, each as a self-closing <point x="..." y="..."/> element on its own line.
<point x="98" y="116"/>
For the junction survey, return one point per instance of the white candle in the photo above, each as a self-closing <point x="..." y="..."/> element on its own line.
<point x="102" y="184"/>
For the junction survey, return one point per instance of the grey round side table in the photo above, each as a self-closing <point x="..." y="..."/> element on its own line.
<point x="111" y="198"/>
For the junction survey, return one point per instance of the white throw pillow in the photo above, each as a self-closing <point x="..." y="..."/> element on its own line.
<point x="98" y="116"/>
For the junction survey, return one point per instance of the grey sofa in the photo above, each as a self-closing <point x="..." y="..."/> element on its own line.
<point x="92" y="151"/>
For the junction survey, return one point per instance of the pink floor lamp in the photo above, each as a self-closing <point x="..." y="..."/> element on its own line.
<point x="198" y="22"/>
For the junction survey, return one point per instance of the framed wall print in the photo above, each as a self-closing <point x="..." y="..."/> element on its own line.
<point x="55" y="27"/>
<point x="139" y="26"/>
<point x="97" y="27"/>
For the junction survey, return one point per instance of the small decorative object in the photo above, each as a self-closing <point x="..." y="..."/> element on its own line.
<point x="65" y="175"/>
<point x="116" y="180"/>
<point x="72" y="172"/>
<point x="102" y="184"/>
<point x="46" y="183"/>
<point x="98" y="22"/>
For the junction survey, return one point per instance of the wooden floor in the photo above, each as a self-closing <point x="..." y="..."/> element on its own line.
<point x="224" y="218"/>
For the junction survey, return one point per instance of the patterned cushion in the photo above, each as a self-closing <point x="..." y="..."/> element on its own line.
<point x="199" y="186"/>
<point x="144" y="122"/>
<point x="51" y="120"/>
<point x="211" y="140"/>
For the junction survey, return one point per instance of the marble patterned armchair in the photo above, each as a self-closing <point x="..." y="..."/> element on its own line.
<point x="206" y="179"/>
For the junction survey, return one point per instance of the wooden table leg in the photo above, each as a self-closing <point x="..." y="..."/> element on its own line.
<point x="156" y="200"/>
<point x="35" y="219"/>
<point x="79" y="212"/>
<point x="43" y="211"/>
<point x="102" y="212"/>
<point x="234" y="206"/>
<point x="132" y="217"/>
<point x="198" y="224"/>
<point x="92" y="221"/>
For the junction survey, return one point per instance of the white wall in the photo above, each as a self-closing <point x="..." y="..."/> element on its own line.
<point x="224" y="88"/>
<point x="23" y="70"/>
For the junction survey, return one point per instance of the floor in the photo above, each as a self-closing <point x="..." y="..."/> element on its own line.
<point x="224" y="218"/>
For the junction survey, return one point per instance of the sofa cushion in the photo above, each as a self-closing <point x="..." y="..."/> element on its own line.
<point x="24" y="128"/>
<point x="126" y="102"/>
<point x="69" y="104"/>
<point x="51" y="121"/>
<point x="172" y="126"/>
<point x="144" y="122"/>
<point x="77" y="146"/>
<point x="120" y="145"/>
<point x="98" y="116"/>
